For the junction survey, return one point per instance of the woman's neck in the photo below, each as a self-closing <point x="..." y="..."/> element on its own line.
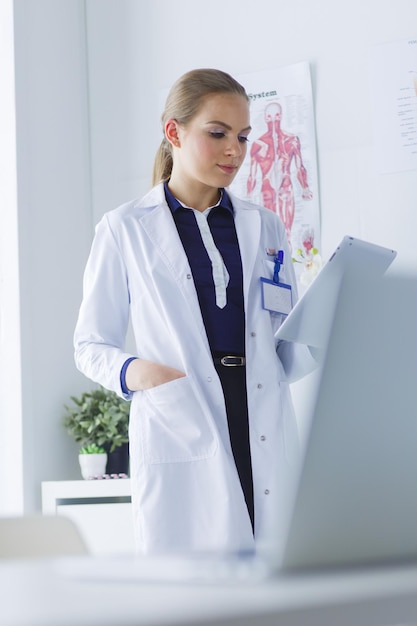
<point x="198" y="197"/>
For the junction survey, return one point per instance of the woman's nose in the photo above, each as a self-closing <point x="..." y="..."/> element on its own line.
<point x="234" y="148"/>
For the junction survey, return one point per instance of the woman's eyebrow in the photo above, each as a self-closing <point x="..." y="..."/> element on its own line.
<point x="227" y="125"/>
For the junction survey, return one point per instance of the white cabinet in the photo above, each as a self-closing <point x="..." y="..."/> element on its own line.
<point x="101" y="509"/>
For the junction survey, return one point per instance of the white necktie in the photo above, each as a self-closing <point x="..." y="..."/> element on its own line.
<point x="220" y="274"/>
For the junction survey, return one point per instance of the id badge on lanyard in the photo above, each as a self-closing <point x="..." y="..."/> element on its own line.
<point x="276" y="296"/>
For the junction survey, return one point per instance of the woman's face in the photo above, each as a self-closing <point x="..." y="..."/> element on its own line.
<point x="212" y="146"/>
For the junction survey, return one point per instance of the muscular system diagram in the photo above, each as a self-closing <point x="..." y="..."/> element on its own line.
<point x="273" y="157"/>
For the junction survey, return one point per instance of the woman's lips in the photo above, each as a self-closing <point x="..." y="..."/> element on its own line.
<point x="228" y="169"/>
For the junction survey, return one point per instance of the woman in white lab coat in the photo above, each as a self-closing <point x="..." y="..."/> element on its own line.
<point x="213" y="436"/>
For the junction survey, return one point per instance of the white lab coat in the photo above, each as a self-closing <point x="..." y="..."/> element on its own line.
<point x="186" y="492"/>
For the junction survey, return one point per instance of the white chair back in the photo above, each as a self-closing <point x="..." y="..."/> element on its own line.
<point x="39" y="536"/>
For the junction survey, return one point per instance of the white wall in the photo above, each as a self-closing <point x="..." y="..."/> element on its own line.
<point x="99" y="75"/>
<point x="137" y="49"/>
<point x="54" y="216"/>
<point x="11" y="490"/>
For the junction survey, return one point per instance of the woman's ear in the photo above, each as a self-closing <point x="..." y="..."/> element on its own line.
<point x="171" y="132"/>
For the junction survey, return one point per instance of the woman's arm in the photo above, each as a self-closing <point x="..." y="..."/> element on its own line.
<point x="142" y="374"/>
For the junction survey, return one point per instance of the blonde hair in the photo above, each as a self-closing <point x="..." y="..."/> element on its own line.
<point x="183" y="103"/>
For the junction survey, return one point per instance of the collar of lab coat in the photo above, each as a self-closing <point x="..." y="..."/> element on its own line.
<point x="158" y="222"/>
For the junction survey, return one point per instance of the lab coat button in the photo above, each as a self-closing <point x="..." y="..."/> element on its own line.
<point x="266" y="492"/>
<point x="189" y="276"/>
<point x="209" y="379"/>
<point x="259" y="385"/>
<point x="263" y="437"/>
<point x="253" y="334"/>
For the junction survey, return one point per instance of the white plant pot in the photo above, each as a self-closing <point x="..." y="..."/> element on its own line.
<point x="92" y="465"/>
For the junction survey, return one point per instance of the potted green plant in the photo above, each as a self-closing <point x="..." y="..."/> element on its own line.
<point x="93" y="461"/>
<point x="101" y="417"/>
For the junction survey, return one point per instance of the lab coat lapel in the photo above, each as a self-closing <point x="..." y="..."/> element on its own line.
<point x="166" y="243"/>
<point x="248" y="228"/>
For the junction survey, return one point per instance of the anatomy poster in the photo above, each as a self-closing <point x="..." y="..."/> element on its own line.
<point x="280" y="169"/>
<point x="394" y="90"/>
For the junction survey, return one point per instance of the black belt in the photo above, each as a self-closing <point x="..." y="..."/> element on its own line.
<point x="230" y="361"/>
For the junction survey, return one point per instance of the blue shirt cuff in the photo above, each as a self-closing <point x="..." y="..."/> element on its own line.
<point x="123" y="375"/>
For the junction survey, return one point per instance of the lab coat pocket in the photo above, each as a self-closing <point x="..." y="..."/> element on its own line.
<point x="269" y="269"/>
<point x="174" y="427"/>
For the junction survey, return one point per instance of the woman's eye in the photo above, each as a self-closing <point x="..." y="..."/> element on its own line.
<point x="219" y="134"/>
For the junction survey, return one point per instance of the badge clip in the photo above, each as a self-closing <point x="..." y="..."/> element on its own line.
<point x="278" y="260"/>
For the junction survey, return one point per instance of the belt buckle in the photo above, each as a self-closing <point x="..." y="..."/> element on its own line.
<point x="233" y="361"/>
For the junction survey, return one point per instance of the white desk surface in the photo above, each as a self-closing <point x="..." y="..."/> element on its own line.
<point x="79" y="591"/>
